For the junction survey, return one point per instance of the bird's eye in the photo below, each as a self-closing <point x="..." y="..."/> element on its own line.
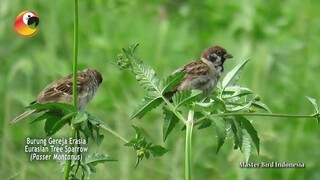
<point x="27" y="16"/>
<point x="219" y="52"/>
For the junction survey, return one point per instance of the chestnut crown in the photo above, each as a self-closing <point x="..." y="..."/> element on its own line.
<point x="216" y="54"/>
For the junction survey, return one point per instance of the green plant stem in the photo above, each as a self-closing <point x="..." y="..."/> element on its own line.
<point x="188" y="145"/>
<point x="267" y="114"/>
<point x="114" y="133"/>
<point x="260" y="115"/>
<point x="79" y="153"/>
<point x="67" y="166"/>
<point x="171" y="107"/>
<point x="75" y="54"/>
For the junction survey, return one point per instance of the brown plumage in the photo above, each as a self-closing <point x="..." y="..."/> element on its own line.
<point x="204" y="73"/>
<point x="88" y="82"/>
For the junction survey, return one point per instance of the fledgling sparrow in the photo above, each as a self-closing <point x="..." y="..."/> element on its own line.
<point x="88" y="82"/>
<point x="204" y="73"/>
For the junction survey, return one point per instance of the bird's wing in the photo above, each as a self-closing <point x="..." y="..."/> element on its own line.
<point x="62" y="88"/>
<point x="192" y="70"/>
<point x="196" y="68"/>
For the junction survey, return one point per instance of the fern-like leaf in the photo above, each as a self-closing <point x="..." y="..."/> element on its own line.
<point x="169" y="122"/>
<point x="261" y="105"/>
<point x="233" y="76"/>
<point x="314" y="103"/>
<point x="246" y="147"/>
<point x="237" y="133"/>
<point x="145" y="75"/>
<point x="220" y="129"/>
<point x="251" y="131"/>
<point x="185" y="97"/>
<point x="149" y="102"/>
<point x="168" y="83"/>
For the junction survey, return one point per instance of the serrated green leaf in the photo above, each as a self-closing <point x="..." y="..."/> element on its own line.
<point x="210" y="106"/>
<point x="131" y="50"/>
<point x="69" y="115"/>
<point x="147" y="154"/>
<point x="158" y="150"/>
<point x="232" y="89"/>
<point x="94" y="159"/>
<point x="185" y="97"/>
<point x="150" y="101"/>
<point x="168" y="83"/>
<point x="57" y="126"/>
<point x="142" y="142"/>
<point x="205" y="104"/>
<point x="202" y="116"/>
<point x="42" y="117"/>
<point x="235" y="92"/>
<point x="51" y="119"/>
<point x="92" y="168"/>
<point x="131" y="143"/>
<point x="145" y="75"/>
<point x="100" y="139"/>
<point x="220" y="129"/>
<point x="314" y="103"/>
<point x="261" y="105"/>
<point x="54" y="115"/>
<point x="206" y="123"/>
<point x="53" y="124"/>
<point x="251" y="131"/>
<point x="86" y="169"/>
<point x="237" y="133"/>
<point x="238" y="107"/>
<point x="232" y="77"/>
<point x="137" y="130"/>
<point x="138" y="161"/>
<point x="246" y="147"/>
<point x="80" y="118"/>
<point x="96" y="121"/>
<point x="87" y="130"/>
<point x="169" y="122"/>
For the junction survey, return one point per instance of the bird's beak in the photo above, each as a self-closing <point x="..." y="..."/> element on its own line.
<point x="228" y="56"/>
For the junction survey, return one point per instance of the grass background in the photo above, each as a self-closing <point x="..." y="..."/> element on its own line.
<point x="280" y="37"/>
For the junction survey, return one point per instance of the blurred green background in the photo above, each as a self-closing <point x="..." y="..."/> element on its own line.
<point x="280" y="37"/>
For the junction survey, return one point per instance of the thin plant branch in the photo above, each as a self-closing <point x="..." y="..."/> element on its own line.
<point x="314" y="115"/>
<point x="67" y="166"/>
<point x="114" y="133"/>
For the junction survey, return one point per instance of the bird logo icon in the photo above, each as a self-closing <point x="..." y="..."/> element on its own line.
<point x="26" y="24"/>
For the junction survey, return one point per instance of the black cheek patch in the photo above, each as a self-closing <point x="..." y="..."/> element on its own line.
<point x="212" y="58"/>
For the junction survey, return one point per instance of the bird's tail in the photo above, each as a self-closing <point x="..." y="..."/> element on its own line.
<point x="22" y="116"/>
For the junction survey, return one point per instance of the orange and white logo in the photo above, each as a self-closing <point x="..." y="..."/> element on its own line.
<point x="26" y="24"/>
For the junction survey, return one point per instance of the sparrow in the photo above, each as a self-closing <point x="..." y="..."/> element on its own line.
<point x="203" y="74"/>
<point x="88" y="82"/>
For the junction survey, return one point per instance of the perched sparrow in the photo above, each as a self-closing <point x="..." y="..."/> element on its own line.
<point x="88" y="82"/>
<point x="203" y="74"/>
